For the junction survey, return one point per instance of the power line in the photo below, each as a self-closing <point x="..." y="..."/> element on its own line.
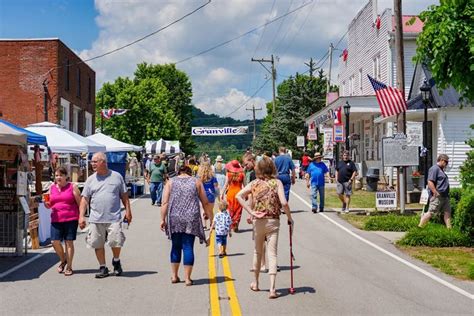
<point x="279" y="27"/>
<point x="299" y="30"/>
<point x="243" y="103"/>
<point x="263" y="32"/>
<point x="135" y="41"/>
<point x="242" y="35"/>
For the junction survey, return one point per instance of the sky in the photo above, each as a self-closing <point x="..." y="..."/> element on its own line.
<point x="225" y="81"/>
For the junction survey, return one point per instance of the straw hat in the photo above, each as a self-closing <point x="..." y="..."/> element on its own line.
<point x="234" y="166"/>
<point x="219" y="158"/>
<point x="318" y="155"/>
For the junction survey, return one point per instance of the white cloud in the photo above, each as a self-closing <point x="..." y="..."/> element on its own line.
<point x="234" y="99"/>
<point x="225" y="75"/>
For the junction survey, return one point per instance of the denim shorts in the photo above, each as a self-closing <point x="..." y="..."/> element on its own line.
<point x="221" y="240"/>
<point x="64" y="230"/>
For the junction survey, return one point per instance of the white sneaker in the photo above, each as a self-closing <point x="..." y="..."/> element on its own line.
<point x="346" y="211"/>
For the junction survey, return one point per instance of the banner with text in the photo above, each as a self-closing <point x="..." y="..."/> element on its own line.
<point x="219" y="131"/>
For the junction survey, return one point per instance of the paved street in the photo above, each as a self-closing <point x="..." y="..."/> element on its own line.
<point x="336" y="272"/>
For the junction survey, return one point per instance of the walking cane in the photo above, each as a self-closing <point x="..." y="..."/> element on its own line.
<point x="292" y="258"/>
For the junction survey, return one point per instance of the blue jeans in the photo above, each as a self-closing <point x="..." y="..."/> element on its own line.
<point x="286" y="181"/>
<point x="314" y="196"/>
<point x="156" y="191"/>
<point x="182" y="242"/>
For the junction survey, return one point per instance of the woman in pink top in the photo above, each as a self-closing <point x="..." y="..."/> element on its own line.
<point x="64" y="203"/>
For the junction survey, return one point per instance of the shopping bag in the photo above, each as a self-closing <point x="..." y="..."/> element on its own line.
<point x="424" y="198"/>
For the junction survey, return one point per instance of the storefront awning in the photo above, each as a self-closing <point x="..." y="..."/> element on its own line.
<point x="411" y="115"/>
<point x="366" y="104"/>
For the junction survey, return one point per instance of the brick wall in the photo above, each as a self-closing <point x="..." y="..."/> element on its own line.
<point x="25" y="66"/>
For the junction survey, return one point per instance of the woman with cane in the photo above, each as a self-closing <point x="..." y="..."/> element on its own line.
<point x="267" y="200"/>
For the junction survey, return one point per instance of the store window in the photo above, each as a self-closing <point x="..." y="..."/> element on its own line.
<point x="376" y="67"/>
<point x="88" y="124"/>
<point x="75" y="119"/>
<point x="64" y="115"/>
<point x="66" y="75"/>
<point x="78" y="94"/>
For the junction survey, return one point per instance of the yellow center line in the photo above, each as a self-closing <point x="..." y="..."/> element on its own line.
<point x="213" y="289"/>
<point x="229" y="283"/>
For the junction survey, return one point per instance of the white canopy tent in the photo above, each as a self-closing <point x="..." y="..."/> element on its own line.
<point x="10" y="136"/>
<point x="113" y="145"/>
<point x="61" y="140"/>
<point x="162" y="146"/>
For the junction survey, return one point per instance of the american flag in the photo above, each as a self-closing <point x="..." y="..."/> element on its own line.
<point x="108" y="113"/>
<point x="391" y="100"/>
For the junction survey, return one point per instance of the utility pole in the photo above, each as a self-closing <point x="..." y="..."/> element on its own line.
<point x="253" y="109"/>
<point x="328" y="86"/>
<point x="328" y="89"/>
<point x="272" y="72"/>
<point x="401" y="128"/>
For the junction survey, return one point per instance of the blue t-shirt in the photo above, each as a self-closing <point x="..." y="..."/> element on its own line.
<point x="284" y="164"/>
<point x="316" y="171"/>
<point x="222" y="223"/>
<point x="210" y="189"/>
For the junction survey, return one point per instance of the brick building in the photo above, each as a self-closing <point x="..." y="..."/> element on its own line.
<point x="33" y="69"/>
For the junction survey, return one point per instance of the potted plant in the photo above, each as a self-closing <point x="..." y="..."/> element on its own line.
<point x="416" y="176"/>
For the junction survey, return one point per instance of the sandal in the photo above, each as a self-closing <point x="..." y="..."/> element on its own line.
<point x="189" y="282"/>
<point x="61" y="267"/>
<point x="68" y="272"/>
<point x="174" y="281"/>
<point x="273" y="295"/>
<point x="254" y="287"/>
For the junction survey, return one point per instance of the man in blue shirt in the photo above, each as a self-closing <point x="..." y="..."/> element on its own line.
<point x="285" y="167"/>
<point x="316" y="172"/>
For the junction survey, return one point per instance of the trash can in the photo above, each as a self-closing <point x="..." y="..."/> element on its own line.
<point x="373" y="176"/>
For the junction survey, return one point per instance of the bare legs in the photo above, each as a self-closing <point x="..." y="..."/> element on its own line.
<point x="64" y="255"/>
<point x="100" y="254"/>
<point x="425" y="218"/>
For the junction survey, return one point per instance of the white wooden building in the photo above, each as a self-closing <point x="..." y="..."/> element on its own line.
<point x="448" y="123"/>
<point x="370" y="51"/>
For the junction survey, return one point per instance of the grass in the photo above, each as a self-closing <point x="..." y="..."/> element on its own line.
<point x="435" y="235"/>
<point x="355" y="220"/>
<point x="359" y="200"/>
<point x="391" y="222"/>
<point x="458" y="262"/>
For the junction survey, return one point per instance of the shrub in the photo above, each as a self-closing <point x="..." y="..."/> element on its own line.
<point x="454" y="197"/>
<point x="391" y="222"/>
<point x="435" y="235"/>
<point x="464" y="216"/>
<point x="470" y="272"/>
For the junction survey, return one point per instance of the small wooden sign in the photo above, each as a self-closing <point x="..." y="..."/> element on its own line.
<point x="8" y="152"/>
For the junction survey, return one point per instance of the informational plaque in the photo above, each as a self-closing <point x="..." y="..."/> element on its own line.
<point x="397" y="153"/>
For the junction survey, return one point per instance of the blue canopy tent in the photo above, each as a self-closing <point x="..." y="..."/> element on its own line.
<point x="31" y="137"/>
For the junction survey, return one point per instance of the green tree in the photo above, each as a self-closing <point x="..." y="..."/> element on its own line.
<point x="446" y="44"/>
<point x="179" y="96"/>
<point x="149" y="115"/>
<point x="298" y="97"/>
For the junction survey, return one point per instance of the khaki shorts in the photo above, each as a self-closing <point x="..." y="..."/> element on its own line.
<point x="344" y="188"/>
<point x="439" y="204"/>
<point x="100" y="233"/>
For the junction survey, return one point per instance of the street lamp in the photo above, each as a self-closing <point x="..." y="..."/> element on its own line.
<point x="425" y="95"/>
<point x="347" y="112"/>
